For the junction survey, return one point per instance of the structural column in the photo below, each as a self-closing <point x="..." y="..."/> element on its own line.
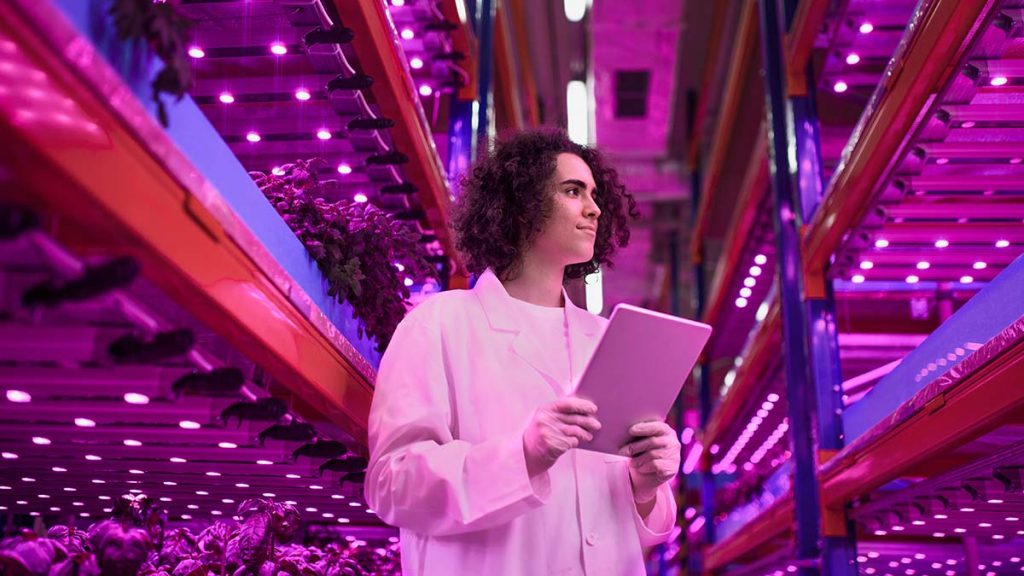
<point x="838" y="544"/>
<point x="800" y="391"/>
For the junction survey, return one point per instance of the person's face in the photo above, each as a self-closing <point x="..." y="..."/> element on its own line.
<point x="569" y="233"/>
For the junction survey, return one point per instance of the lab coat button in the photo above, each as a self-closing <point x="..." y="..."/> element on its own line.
<point x="591" y="539"/>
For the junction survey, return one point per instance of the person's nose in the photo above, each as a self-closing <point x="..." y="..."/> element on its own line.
<point x="591" y="209"/>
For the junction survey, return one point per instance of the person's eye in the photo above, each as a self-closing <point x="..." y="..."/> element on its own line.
<point x="573" y="191"/>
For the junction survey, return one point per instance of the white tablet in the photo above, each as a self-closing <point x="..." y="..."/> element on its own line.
<point x="638" y="370"/>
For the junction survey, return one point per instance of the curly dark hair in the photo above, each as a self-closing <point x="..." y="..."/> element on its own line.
<point x="507" y="197"/>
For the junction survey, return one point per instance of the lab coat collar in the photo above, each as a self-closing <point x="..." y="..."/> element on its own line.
<point x="584" y="328"/>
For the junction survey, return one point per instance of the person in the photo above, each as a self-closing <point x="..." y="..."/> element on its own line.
<point x="473" y="425"/>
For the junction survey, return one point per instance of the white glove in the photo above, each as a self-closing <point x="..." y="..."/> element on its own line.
<point x="654" y="458"/>
<point x="556" y="428"/>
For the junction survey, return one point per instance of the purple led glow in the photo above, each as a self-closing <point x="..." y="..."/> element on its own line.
<point x="135" y="471"/>
<point x="912" y="279"/>
<point x="59" y="469"/>
<point x="226" y="98"/>
<point x="213" y="473"/>
<point x="741" y="302"/>
<point x="277" y="171"/>
<point x="136" y="398"/>
<point x="923" y="265"/>
<point x="998" y="80"/>
<point x="264" y="462"/>
<point x="1002" y="243"/>
<point x="177" y="460"/>
<point x="968" y="124"/>
<point x="760" y="259"/>
<point x="746" y="292"/>
<point x="9" y="456"/>
<point x="840" y="87"/>
<point x="93" y="458"/>
<point x="942" y="243"/>
<point x="407" y="34"/>
<point x="39" y="440"/>
<point x="189" y="425"/>
<point x="132" y="443"/>
<point x="361" y="198"/>
<point x="302" y="94"/>
<point x="416" y="63"/>
<point x="398" y="3"/>
<point x="323" y="134"/>
<point x="408" y="282"/>
<point x="755" y="271"/>
<point x="979" y="265"/>
<point x="941" y="161"/>
<point x="85" y="423"/>
<point x="966" y="279"/>
<point x="426" y="90"/>
<point x="278" y="49"/>
<point x="399" y="267"/>
<point x="227" y="445"/>
<point x="852" y="58"/>
<point x="18" y="396"/>
<point x="867" y="265"/>
<point x="344" y="169"/>
<point x="881" y="243"/>
<point x="253" y="137"/>
<point x="196" y="52"/>
<point x="866" y="28"/>
<point x="749" y="282"/>
<point x="1015" y="160"/>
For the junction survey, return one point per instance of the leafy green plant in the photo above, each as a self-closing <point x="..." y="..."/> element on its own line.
<point x="357" y="246"/>
<point x="167" y="33"/>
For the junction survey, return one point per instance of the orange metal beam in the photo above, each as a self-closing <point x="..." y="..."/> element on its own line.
<point x="381" y="56"/>
<point x="710" y="67"/>
<point x="748" y="376"/>
<point x="925" y="67"/>
<point x="755" y="186"/>
<point x="463" y="41"/>
<point x="738" y="63"/>
<point x="773" y="523"/>
<point x="527" y="76"/>
<point x="100" y="179"/>
<point x="507" y="103"/>
<point x="810" y="14"/>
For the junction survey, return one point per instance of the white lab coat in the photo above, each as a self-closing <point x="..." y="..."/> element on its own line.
<point x="455" y="390"/>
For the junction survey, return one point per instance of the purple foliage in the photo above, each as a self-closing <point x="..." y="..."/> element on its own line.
<point x="356" y="246"/>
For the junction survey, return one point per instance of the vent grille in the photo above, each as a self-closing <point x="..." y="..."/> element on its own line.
<point x="631" y="87"/>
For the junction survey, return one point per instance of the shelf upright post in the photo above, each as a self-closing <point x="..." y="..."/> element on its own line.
<point x="703" y="376"/>
<point x="799" y="388"/>
<point x="838" y="541"/>
<point x="485" y="36"/>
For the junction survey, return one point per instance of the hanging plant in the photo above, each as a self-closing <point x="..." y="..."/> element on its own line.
<point x="358" y="247"/>
<point x="167" y="33"/>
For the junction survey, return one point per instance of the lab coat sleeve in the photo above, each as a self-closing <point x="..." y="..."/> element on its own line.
<point x="657" y="527"/>
<point x="420" y="477"/>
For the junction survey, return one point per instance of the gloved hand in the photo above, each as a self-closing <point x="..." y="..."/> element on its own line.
<point x="654" y="458"/>
<point x="555" y="428"/>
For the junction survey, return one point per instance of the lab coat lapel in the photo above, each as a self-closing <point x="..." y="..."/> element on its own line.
<point x="584" y="329"/>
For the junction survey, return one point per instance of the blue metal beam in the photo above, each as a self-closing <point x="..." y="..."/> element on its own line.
<point x="838" y="552"/>
<point x="799" y="388"/>
<point x="485" y="34"/>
